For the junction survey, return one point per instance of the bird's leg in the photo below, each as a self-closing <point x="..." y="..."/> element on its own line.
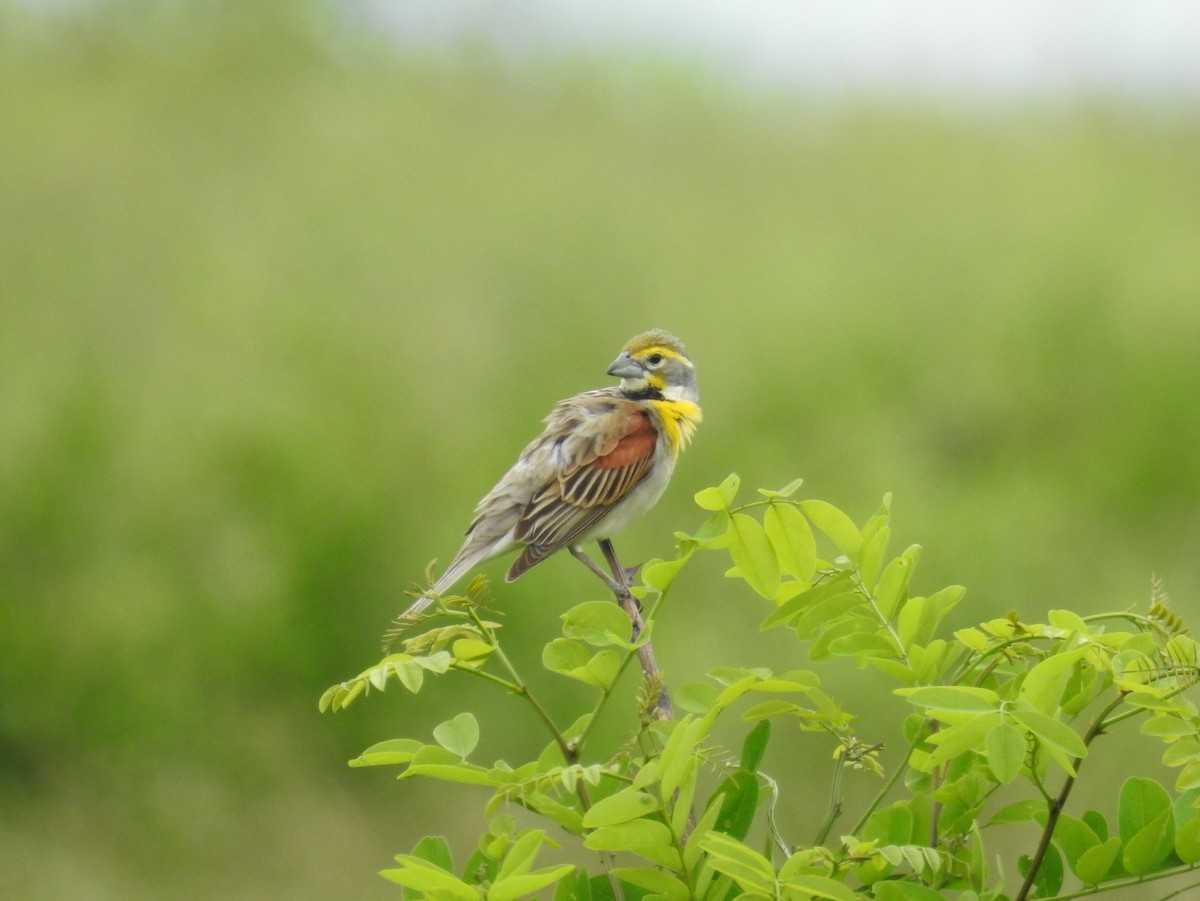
<point x="624" y="576"/>
<point x="613" y="586"/>
<point x="663" y="709"/>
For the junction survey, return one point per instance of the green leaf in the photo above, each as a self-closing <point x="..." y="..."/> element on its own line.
<point x="436" y="850"/>
<point x="752" y="553"/>
<point x="647" y="838"/>
<point x="656" y="881"/>
<point x="783" y="493"/>
<point x="792" y="539"/>
<point x="1045" y="684"/>
<point x="748" y="868"/>
<point x="892" y="587"/>
<point x="870" y="556"/>
<point x="891" y="825"/>
<point x="459" y="736"/>
<point x="471" y="650"/>
<point x="1026" y="811"/>
<point x="721" y="496"/>
<point x="514" y="887"/>
<point x="576" y="661"/>
<point x="905" y="891"/>
<point x="660" y="574"/>
<point x="425" y="877"/>
<point x="952" y="698"/>
<point x="864" y="643"/>
<point x="695" y="697"/>
<point x="739" y="803"/>
<point x="1075" y="838"/>
<point x="388" y="753"/>
<point x="1187" y="841"/>
<point x="821" y="887"/>
<point x="619" y="808"/>
<point x="1140" y="802"/>
<point x="835" y="524"/>
<point x="1096" y="863"/>
<point x="908" y="623"/>
<point x="1051" y="731"/>
<point x="678" y="753"/>
<point x="521" y="853"/>
<point x="1096" y="822"/>
<point x="964" y="737"/>
<point x="755" y="746"/>
<point x="1150" y="846"/>
<point x="599" y="623"/>
<point x="1004" y="748"/>
<point x="577" y="886"/>
<point x="1049" y="875"/>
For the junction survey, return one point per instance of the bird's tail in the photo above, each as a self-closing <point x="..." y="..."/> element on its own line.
<point x="410" y="617"/>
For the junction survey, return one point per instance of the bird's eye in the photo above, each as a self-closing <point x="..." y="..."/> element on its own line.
<point x="654" y="359"/>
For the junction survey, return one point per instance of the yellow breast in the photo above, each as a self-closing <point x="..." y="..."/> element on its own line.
<point x="679" y="419"/>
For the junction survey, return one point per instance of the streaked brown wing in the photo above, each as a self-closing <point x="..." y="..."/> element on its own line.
<point x="573" y="503"/>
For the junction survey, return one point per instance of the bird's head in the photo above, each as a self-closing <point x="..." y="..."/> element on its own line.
<point x="655" y="363"/>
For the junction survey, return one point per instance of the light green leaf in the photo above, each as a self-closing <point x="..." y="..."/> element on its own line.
<point x="721" y="496"/>
<point x="1045" y="684"/>
<point x="436" y="850"/>
<point x="1168" y="728"/>
<point x="835" y="524"/>
<point x="752" y="552"/>
<point x="388" y="753"/>
<point x="1075" y="838"/>
<point x="783" y="493"/>
<point x="870" y="556"/>
<point x="891" y="825"/>
<point x="1026" y="811"/>
<point x="425" y="877"/>
<point x="892" y="588"/>
<point x="908" y="623"/>
<point x="748" y="868"/>
<point x="659" y="574"/>
<point x="576" y="661"/>
<point x="656" y="881"/>
<point x="1150" y="846"/>
<point x="1096" y="863"/>
<point x="1141" y="801"/>
<point x="1187" y="841"/>
<point x="647" y="838"/>
<point x="599" y="623"/>
<point x="792" y="539"/>
<point x="821" y="887"/>
<point x="905" y="891"/>
<point x="1049" y="875"/>
<point x="459" y="736"/>
<point x="952" y="698"/>
<point x="1004" y="748"/>
<point x="471" y="650"/>
<point x="1051" y="731"/>
<point x="513" y="887"/>
<point x="619" y="808"/>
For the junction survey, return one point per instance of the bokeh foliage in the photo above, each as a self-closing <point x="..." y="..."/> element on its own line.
<point x="278" y="302"/>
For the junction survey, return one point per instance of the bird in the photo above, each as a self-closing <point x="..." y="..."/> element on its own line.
<point x="604" y="459"/>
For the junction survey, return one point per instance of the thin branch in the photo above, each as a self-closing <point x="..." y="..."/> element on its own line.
<point x="1056" y="807"/>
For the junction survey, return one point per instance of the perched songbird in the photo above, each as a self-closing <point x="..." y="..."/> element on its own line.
<point x="604" y="459"/>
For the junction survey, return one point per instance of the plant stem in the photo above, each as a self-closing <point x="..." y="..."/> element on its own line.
<point x="1057" y="805"/>
<point x="1135" y="880"/>
<point x="835" y="801"/>
<point x="520" y="688"/>
<point x="882" y="794"/>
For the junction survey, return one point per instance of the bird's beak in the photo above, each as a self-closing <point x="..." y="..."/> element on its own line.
<point x="625" y="367"/>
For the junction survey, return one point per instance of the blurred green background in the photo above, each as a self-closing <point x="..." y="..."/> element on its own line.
<point x="279" y="301"/>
